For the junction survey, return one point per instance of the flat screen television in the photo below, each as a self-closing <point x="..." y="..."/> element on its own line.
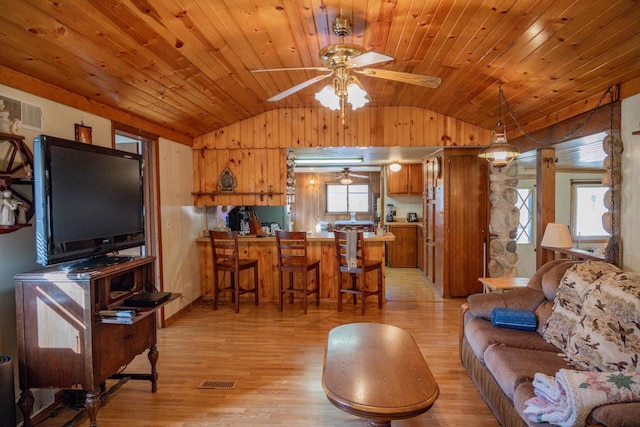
<point x="89" y="203"/>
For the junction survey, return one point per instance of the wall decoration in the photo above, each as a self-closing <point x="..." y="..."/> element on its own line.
<point x="83" y="133"/>
<point x="227" y="181"/>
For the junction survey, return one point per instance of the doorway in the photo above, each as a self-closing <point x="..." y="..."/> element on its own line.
<point x="136" y="141"/>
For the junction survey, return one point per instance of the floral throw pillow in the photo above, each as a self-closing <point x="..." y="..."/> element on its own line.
<point x="567" y="305"/>
<point x="607" y="337"/>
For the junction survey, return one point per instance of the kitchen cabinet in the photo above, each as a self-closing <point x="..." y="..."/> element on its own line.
<point x="402" y="251"/>
<point x="63" y="342"/>
<point x="420" y="247"/>
<point x="456" y="218"/>
<point x="406" y="181"/>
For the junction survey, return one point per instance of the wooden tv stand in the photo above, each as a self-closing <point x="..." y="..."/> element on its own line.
<point x="64" y="343"/>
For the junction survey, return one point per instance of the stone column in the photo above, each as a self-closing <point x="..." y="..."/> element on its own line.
<point x="503" y="222"/>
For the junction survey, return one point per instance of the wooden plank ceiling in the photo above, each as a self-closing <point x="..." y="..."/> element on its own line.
<point x="185" y="64"/>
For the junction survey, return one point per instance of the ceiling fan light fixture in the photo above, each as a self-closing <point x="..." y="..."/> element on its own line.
<point x="356" y="96"/>
<point x="328" y="98"/>
<point x="395" y="167"/>
<point x="346" y="180"/>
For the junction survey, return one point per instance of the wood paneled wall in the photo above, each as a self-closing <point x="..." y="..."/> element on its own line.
<point x="306" y="215"/>
<point x="254" y="149"/>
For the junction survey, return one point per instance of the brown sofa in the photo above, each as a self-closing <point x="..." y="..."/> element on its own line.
<point x="502" y="362"/>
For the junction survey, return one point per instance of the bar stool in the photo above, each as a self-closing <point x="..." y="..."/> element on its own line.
<point x="293" y="258"/>
<point x="351" y="258"/>
<point x="224" y="246"/>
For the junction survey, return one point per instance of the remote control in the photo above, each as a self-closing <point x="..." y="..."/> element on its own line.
<point x="117" y="313"/>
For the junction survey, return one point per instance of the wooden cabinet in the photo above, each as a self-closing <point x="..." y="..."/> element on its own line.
<point x="456" y="218"/>
<point x="406" y="181"/>
<point x="402" y="251"/>
<point x="420" y="247"/>
<point x="62" y="340"/>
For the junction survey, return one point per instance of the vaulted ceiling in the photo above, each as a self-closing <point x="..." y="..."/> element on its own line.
<point x="186" y="64"/>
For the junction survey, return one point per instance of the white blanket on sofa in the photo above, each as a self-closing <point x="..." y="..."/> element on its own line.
<point x="569" y="398"/>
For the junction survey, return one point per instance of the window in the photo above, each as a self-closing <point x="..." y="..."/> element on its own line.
<point x="525" y="226"/>
<point x="587" y="208"/>
<point x="347" y="198"/>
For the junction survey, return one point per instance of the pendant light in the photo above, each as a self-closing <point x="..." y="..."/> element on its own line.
<point x="500" y="152"/>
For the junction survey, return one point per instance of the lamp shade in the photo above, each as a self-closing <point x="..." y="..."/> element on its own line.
<point x="556" y="236"/>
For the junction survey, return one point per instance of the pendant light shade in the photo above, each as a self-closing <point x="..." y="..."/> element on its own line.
<point x="500" y="153"/>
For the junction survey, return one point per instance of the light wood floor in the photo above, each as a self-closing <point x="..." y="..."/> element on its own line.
<point x="276" y="361"/>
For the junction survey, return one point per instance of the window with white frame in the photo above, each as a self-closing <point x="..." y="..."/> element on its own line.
<point x="524" y="204"/>
<point x="587" y="208"/>
<point x="347" y="198"/>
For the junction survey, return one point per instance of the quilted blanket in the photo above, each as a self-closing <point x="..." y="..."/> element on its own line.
<point x="569" y="398"/>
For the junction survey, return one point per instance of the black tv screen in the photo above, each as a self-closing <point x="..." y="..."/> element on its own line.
<point x="89" y="200"/>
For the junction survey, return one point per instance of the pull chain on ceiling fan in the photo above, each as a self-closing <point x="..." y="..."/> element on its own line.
<point x="342" y="61"/>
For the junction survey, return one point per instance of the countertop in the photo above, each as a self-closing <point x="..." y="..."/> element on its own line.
<point x="311" y="237"/>
<point x="404" y="223"/>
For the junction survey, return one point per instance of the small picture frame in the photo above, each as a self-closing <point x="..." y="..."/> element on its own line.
<point x="83" y="133"/>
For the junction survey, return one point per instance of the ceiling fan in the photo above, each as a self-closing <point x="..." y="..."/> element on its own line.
<point x="347" y="174"/>
<point x="343" y="61"/>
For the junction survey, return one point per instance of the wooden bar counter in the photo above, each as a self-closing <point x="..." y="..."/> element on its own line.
<point x="321" y="245"/>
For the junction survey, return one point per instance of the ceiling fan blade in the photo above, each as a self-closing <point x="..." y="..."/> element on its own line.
<point x="298" y="87"/>
<point x="357" y="176"/>
<point x="268" y="70"/>
<point x="415" y="79"/>
<point x="368" y="58"/>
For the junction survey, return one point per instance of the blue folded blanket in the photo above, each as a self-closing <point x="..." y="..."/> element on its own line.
<point x="514" y="319"/>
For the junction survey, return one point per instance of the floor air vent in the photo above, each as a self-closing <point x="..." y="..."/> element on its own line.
<point x="214" y="384"/>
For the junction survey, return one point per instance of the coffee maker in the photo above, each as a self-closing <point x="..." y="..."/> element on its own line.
<point x="391" y="213"/>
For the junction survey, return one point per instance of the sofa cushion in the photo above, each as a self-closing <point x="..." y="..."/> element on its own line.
<point x="567" y="307"/>
<point x="553" y="276"/>
<point x="512" y="366"/>
<point x="481" y="334"/>
<point x="608" y="336"/>
<point x="536" y="280"/>
<point x="481" y="305"/>
<point x="543" y="312"/>
<point x="617" y="414"/>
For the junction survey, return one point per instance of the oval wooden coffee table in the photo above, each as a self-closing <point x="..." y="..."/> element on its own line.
<point x="376" y="371"/>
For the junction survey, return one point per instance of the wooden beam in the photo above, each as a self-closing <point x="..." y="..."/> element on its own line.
<point x="589" y="123"/>
<point x="26" y="83"/>
<point x="545" y="200"/>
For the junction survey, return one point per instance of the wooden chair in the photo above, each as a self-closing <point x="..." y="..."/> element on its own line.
<point x="224" y="246"/>
<point x="362" y="267"/>
<point x="293" y="258"/>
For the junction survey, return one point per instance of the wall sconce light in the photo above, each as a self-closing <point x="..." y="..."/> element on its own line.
<point x="395" y="167"/>
<point x="312" y="181"/>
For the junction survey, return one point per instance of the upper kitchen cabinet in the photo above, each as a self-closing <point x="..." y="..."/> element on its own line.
<point x="406" y="181"/>
<point x="256" y="177"/>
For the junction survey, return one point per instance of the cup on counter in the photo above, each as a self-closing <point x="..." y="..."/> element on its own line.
<point x="265" y="230"/>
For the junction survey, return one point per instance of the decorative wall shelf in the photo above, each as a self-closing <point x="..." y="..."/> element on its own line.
<point x="4" y="229"/>
<point x="213" y="194"/>
<point x="16" y="174"/>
